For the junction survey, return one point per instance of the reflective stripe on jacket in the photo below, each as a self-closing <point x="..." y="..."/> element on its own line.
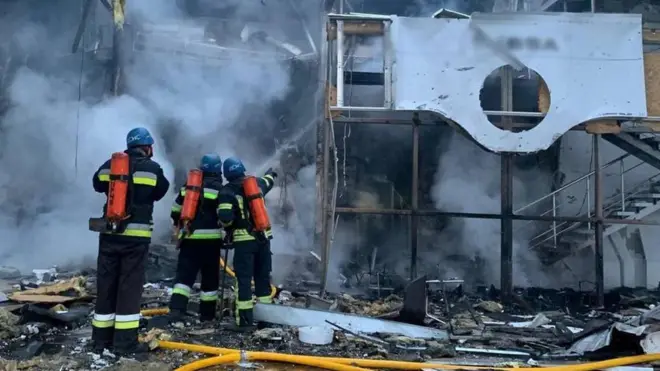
<point x="233" y="212"/>
<point x="205" y="225"/>
<point x="148" y="186"/>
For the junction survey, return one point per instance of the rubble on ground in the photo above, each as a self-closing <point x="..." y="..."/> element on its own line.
<point x="8" y="324"/>
<point x="45" y="320"/>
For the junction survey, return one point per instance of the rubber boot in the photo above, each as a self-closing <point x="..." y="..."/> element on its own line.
<point x="207" y="310"/>
<point x="176" y="315"/>
<point x="244" y="321"/>
<point x="102" y="339"/>
<point x="127" y="344"/>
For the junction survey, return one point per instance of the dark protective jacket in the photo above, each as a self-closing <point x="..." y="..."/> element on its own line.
<point x="234" y="213"/>
<point x="205" y="225"/>
<point x="148" y="186"/>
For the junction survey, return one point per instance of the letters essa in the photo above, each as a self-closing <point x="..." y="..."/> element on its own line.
<point x="524" y="42"/>
<point x="529" y="43"/>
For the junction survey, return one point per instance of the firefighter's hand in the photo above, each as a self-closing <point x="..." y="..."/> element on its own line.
<point x="271" y="172"/>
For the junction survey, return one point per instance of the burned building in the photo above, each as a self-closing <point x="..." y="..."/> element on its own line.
<point x="566" y="220"/>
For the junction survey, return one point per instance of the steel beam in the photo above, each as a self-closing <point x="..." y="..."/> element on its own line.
<point x="88" y="8"/>
<point x="116" y="84"/>
<point x="438" y="122"/>
<point x="647" y="125"/>
<point x="598" y="196"/>
<point x="451" y="214"/>
<point x="322" y="163"/>
<point x="325" y="219"/>
<point x="506" y="225"/>
<point x="598" y="244"/>
<point x="506" y="192"/>
<point x="414" y="197"/>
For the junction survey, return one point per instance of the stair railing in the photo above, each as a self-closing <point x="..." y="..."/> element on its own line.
<point x="611" y="204"/>
<point x="558" y="227"/>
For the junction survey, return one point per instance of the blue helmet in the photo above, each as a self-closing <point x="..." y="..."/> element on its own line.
<point x="233" y="168"/>
<point x="211" y="163"/>
<point x="139" y="137"/>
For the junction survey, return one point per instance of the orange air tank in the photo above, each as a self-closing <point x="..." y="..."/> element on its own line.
<point x="118" y="188"/>
<point x="193" y="193"/>
<point x="256" y="203"/>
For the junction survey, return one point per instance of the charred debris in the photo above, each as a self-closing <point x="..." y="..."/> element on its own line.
<point x="45" y="314"/>
<point x="45" y="320"/>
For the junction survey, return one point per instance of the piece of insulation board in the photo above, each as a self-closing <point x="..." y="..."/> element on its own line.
<point x="298" y="317"/>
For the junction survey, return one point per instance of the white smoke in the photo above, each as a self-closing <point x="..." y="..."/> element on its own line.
<point x="296" y="238"/>
<point x="52" y="142"/>
<point x="468" y="180"/>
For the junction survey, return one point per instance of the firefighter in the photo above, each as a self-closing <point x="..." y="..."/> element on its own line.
<point x="252" y="255"/>
<point x="200" y="244"/>
<point x="123" y="251"/>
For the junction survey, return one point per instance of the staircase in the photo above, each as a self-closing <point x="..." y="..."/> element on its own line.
<point x="644" y="146"/>
<point x="563" y="239"/>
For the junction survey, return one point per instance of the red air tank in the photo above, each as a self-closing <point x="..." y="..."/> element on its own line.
<point x="193" y="193"/>
<point x="256" y="203"/>
<point x="118" y="188"/>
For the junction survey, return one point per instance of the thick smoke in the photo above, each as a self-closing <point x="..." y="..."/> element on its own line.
<point x="58" y="128"/>
<point x="468" y="180"/>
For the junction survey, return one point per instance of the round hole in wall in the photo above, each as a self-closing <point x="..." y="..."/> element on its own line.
<point x="528" y="94"/>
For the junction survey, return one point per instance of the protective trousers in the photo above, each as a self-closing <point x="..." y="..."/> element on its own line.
<point x="196" y="256"/>
<point x="120" y="277"/>
<point x="251" y="259"/>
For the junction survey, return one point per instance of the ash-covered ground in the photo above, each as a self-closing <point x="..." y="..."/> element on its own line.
<point x="45" y="324"/>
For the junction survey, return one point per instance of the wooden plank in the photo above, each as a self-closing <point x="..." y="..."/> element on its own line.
<point x="544" y="97"/>
<point x="603" y="127"/>
<point x="652" y="77"/>
<point x="331" y="100"/>
<point x="373" y="28"/>
<point x="27" y="298"/>
<point x="651" y="36"/>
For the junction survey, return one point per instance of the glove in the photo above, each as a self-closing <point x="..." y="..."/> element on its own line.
<point x="271" y="172"/>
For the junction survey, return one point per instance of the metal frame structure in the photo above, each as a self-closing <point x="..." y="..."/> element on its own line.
<point x="333" y="69"/>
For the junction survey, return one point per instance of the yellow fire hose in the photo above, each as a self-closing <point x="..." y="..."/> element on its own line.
<point x="230" y="272"/>
<point x="399" y="365"/>
<point x="154" y="312"/>
<point x="265" y="356"/>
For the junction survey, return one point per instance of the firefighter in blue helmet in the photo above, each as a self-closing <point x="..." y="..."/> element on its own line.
<point x="252" y="255"/>
<point x="200" y="249"/>
<point x="123" y="251"/>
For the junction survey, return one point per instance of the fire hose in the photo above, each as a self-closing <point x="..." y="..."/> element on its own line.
<point x="332" y="363"/>
<point x="229" y="271"/>
<point x="265" y="356"/>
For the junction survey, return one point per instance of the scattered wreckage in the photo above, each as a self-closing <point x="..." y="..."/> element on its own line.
<point x="45" y="320"/>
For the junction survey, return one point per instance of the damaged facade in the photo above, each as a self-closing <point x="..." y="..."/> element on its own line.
<point x="553" y="241"/>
